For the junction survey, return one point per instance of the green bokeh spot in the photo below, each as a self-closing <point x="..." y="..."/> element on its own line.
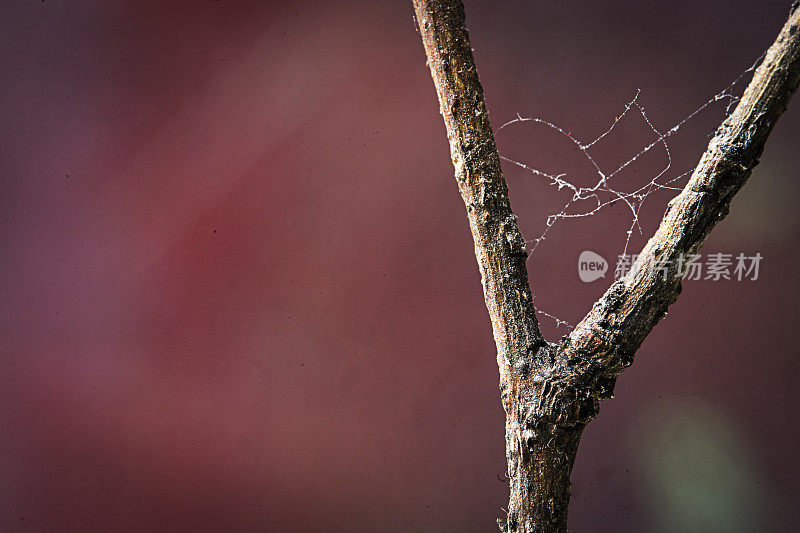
<point x="698" y="475"/>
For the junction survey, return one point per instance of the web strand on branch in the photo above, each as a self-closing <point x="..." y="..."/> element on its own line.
<point x="587" y="201"/>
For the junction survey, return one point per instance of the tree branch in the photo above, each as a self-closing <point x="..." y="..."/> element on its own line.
<point x="610" y="334"/>
<point x="499" y="246"/>
<point x="544" y="416"/>
<point x="550" y="392"/>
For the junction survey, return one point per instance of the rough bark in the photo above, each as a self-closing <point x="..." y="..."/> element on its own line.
<point x="551" y="391"/>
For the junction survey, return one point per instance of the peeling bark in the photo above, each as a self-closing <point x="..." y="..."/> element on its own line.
<point x="551" y="391"/>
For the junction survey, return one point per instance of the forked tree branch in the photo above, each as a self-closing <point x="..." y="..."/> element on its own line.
<point x="551" y="391"/>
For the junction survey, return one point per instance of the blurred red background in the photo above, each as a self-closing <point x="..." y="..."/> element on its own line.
<point x="239" y="290"/>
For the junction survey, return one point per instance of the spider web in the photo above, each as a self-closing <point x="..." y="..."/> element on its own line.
<point x="586" y="201"/>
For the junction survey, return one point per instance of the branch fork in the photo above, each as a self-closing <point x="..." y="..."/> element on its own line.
<point x="551" y="391"/>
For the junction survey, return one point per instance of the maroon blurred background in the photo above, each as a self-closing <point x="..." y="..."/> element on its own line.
<point x="239" y="290"/>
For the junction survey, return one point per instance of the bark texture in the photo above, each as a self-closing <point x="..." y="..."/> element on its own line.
<point x="551" y="391"/>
